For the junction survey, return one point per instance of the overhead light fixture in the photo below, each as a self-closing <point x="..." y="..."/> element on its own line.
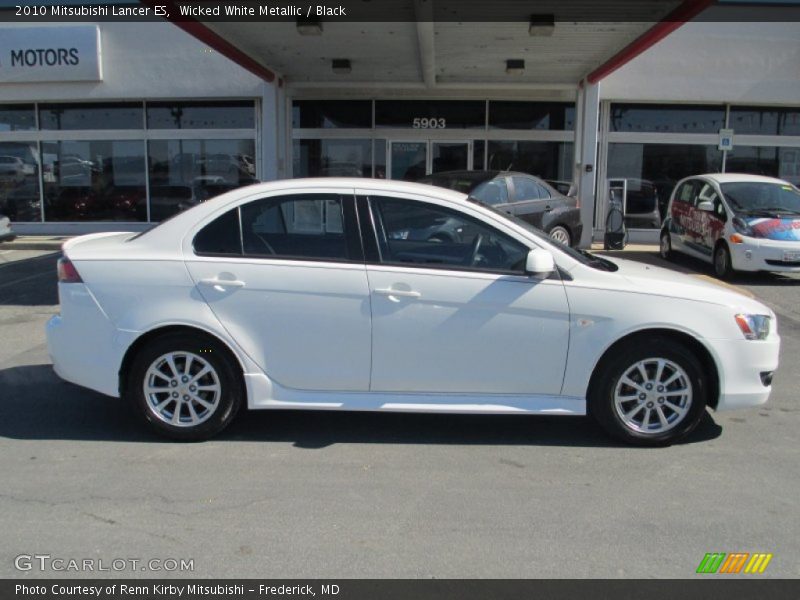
<point x="341" y="66"/>
<point x="542" y="25"/>
<point x="309" y="27"/>
<point x="515" y="66"/>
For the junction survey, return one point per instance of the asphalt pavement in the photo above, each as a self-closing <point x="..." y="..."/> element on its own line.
<point x="335" y="495"/>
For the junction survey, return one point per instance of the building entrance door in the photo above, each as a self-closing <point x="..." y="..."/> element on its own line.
<point x="411" y="160"/>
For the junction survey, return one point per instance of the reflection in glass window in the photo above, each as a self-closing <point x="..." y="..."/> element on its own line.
<point x="332" y="158"/>
<point x="652" y="170"/>
<point x="667" y="118"/>
<point x="186" y="172"/>
<point x="237" y="114"/>
<point x="426" y="235"/>
<point x="547" y="160"/>
<point x="19" y="181"/>
<point x="17" y="117"/>
<point x="532" y="115"/>
<point x="494" y="191"/>
<point x="765" y="120"/>
<point x="304" y="226"/>
<point x="478" y="155"/>
<point x="91" y="116"/>
<point x="771" y="161"/>
<point x="329" y="114"/>
<point x="94" y="181"/>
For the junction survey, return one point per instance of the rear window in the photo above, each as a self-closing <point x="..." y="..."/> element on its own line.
<point x="220" y="237"/>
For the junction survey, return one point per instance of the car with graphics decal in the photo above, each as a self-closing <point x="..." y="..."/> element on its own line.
<point x="737" y="222"/>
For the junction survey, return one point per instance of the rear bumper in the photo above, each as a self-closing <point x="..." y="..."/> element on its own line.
<point x="743" y="363"/>
<point x="82" y="343"/>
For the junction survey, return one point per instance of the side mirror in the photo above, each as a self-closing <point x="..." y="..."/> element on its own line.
<point x="706" y="206"/>
<point x="540" y="264"/>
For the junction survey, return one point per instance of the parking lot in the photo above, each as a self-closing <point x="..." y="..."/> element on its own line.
<point x="315" y="494"/>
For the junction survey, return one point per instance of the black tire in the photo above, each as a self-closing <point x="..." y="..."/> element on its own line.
<point x="665" y="246"/>
<point x="561" y="235"/>
<point x="723" y="267"/>
<point x="612" y="368"/>
<point x="226" y="375"/>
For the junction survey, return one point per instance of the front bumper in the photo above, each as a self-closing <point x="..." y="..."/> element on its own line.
<point x="764" y="255"/>
<point x="744" y="362"/>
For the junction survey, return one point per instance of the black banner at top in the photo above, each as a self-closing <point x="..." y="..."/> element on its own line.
<point x="538" y="14"/>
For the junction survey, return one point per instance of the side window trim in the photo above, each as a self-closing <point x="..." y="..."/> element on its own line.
<point x="374" y="220"/>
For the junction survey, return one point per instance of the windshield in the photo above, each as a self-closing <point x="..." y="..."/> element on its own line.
<point x="582" y="256"/>
<point x="753" y="197"/>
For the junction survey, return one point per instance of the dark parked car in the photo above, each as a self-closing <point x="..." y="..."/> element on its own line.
<point x="521" y="195"/>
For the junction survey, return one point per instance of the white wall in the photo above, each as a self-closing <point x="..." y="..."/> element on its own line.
<point x="756" y="63"/>
<point x="147" y="60"/>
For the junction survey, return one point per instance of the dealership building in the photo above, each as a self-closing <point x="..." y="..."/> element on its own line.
<point x="117" y="125"/>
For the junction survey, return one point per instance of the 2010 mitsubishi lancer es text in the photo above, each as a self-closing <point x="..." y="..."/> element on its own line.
<point x="338" y="294"/>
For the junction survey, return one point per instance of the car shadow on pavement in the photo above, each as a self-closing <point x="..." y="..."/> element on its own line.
<point x="30" y="281"/>
<point x="36" y="405"/>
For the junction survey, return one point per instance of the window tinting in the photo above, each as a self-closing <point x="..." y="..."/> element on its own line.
<point x="332" y="158"/>
<point x="547" y="160"/>
<point x="431" y="114"/>
<point x="307" y="226"/>
<point x="492" y="192"/>
<point x="237" y="114"/>
<point x="532" y="115"/>
<point x="526" y="189"/>
<point x="221" y="236"/>
<point x="765" y="121"/>
<point x="330" y="114"/>
<point x="667" y="118"/>
<point x="426" y="235"/>
<point x="19" y="181"/>
<point x="17" y="117"/>
<point x="127" y="115"/>
<point x="686" y="193"/>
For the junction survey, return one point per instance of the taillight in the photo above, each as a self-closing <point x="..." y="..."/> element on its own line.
<point x="67" y="273"/>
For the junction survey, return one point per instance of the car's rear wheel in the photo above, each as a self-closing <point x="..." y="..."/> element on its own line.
<point x="185" y="386"/>
<point x="723" y="267"/>
<point x="665" y="246"/>
<point x="561" y="235"/>
<point x="650" y="393"/>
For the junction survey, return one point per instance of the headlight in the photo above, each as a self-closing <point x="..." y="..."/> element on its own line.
<point x="754" y="327"/>
<point x="740" y="226"/>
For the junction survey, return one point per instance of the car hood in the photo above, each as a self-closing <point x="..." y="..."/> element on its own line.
<point x="650" y="279"/>
<point x="775" y="228"/>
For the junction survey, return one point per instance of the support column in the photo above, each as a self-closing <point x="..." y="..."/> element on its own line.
<point x="586" y="155"/>
<point x="269" y="132"/>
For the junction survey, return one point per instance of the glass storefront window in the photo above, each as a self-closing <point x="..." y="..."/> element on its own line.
<point x="94" y="181"/>
<point x="771" y="161"/>
<point x="765" y="120"/>
<point x="431" y="114"/>
<point x="331" y="114"/>
<point x="548" y="160"/>
<point x="667" y="118"/>
<point x="17" y="117"/>
<point x="91" y="116"/>
<point x="19" y="181"/>
<point x="652" y="170"/>
<point x="333" y="158"/>
<point x="201" y="115"/>
<point x="478" y="154"/>
<point x="532" y="115"/>
<point x="186" y="172"/>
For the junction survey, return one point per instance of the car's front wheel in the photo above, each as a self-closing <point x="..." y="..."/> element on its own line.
<point x="665" y="246"/>
<point x="723" y="266"/>
<point x="561" y="235"/>
<point x="185" y="386"/>
<point x="650" y="393"/>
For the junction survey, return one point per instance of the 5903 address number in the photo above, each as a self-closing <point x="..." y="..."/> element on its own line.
<point x="426" y="123"/>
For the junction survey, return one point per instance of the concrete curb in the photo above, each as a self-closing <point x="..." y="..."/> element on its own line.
<point x="24" y="242"/>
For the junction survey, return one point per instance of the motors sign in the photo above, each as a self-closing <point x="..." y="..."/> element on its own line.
<point x="37" y="54"/>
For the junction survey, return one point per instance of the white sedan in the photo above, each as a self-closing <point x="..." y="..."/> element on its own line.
<point x="338" y="294"/>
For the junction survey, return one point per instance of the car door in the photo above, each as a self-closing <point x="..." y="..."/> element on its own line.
<point x="459" y="317"/>
<point x="712" y="223"/>
<point x="530" y="200"/>
<point x="285" y="276"/>
<point x="681" y="213"/>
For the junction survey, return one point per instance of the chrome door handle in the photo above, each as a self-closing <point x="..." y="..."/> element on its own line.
<point x="398" y="293"/>
<point x="221" y="284"/>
